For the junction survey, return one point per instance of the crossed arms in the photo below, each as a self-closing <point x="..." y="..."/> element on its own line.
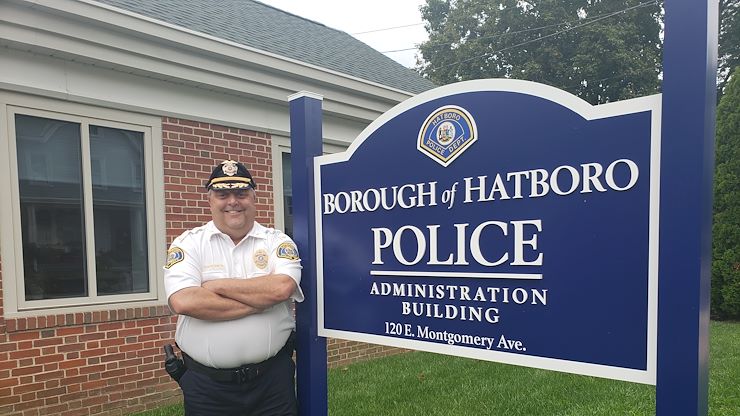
<point x="224" y="299"/>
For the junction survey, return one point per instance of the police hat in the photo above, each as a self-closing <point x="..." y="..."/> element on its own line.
<point x="230" y="174"/>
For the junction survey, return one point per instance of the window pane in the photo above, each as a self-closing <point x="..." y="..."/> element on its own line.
<point x="49" y="174"/>
<point x="119" y="209"/>
<point x="287" y="195"/>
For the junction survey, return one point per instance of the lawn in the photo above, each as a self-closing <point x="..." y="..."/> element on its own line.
<point x="419" y="383"/>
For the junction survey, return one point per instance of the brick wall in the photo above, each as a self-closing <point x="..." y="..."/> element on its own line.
<point x="341" y="352"/>
<point x="191" y="149"/>
<point x="109" y="361"/>
<point x="106" y="362"/>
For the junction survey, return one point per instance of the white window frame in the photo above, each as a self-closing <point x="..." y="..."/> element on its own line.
<point x="11" y="250"/>
<point x="280" y="146"/>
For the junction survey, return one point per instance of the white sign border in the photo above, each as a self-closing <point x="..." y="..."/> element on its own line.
<point x="587" y="111"/>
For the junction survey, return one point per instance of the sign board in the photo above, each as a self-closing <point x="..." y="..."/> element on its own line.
<point x="501" y="220"/>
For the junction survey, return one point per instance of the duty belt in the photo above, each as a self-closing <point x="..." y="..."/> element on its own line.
<point x="241" y="374"/>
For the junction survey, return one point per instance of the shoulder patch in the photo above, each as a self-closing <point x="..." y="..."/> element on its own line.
<point x="174" y="256"/>
<point x="287" y="250"/>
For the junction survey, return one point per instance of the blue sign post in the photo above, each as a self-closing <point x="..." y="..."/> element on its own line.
<point x="305" y="143"/>
<point x="689" y="88"/>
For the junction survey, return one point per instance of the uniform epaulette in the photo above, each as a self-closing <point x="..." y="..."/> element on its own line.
<point x="276" y="234"/>
<point x="186" y="233"/>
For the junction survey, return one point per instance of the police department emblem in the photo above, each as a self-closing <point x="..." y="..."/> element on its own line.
<point x="260" y="259"/>
<point x="229" y="167"/>
<point x="287" y="251"/>
<point x="446" y="133"/>
<point x="174" y="256"/>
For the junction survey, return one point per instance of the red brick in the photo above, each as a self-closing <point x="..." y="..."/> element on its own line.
<point x="44" y="342"/>
<point x="113" y="373"/>
<point x="44" y="359"/>
<point x="7" y="398"/>
<point x="25" y="354"/>
<point x="52" y="383"/>
<point x="29" y="404"/>
<point x="91" y="385"/>
<point x="91" y="336"/>
<point x="112" y="341"/>
<point x="71" y="330"/>
<point x="73" y="383"/>
<point x="51" y="392"/>
<point x="8" y="381"/>
<point x="66" y="364"/>
<point x="92" y="369"/>
<point x="57" y="409"/>
<point x="26" y="370"/>
<point x="170" y="127"/>
<point x="23" y="336"/>
<point x="31" y="323"/>
<point x="95" y="402"/>
<point x="49" y="375"/>
<point x="71" y="348"/>
<point x="112" y="357"/>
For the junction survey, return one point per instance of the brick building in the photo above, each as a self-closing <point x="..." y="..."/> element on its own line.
<point x="112" y="114"/>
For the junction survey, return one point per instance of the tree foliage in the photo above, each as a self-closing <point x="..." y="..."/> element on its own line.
<point x="600" y="50"/>
<point x="726" y="225"/>
<point x="729" y="41"/>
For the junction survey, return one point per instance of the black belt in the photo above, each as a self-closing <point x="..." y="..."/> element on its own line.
<point x="241" y="374"/>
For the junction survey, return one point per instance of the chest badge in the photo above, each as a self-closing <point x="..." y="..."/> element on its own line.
<point x="260" y="259"/>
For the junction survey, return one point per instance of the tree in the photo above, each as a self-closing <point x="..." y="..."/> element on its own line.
<point x="600" y="50"/>
<point x="729" y="41"/>
<point x="726" y="225"/>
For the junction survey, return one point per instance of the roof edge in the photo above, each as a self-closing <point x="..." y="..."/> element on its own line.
<point x="231" y="43"/>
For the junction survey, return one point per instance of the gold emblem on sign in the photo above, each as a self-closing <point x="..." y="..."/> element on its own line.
<point x="229" y="167"/>
<point x="260" y="258"/>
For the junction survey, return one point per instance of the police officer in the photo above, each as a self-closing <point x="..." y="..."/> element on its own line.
<point x="232" y="281"/>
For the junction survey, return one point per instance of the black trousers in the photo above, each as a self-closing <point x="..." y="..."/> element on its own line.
<point x="270" y="394"/>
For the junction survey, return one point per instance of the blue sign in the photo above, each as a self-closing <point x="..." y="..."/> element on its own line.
<point x="500" y="220"/>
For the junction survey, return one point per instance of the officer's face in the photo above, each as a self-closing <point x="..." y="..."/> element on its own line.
<point x="233" y="211"/>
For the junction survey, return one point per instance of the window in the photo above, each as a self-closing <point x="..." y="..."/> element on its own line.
<point x="83" y="229"/>
<point x="283" y="181"/>
<point x="287" y="195"/>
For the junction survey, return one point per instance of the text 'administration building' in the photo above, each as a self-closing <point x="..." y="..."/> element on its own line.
<point x="112" y="114"/>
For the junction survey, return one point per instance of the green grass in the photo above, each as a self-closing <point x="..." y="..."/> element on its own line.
<point x="419" y="383"/>
<point x="170" y="410"/>
<point x="430" y="384"/>
<point x="724" y="369"/>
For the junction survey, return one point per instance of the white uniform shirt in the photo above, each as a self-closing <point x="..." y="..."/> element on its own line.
<point x="204" y="254"/>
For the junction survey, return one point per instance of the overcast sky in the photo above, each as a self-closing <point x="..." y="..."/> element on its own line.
<point x="355" y="17"/>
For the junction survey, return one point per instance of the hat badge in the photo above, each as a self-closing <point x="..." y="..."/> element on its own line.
<point x="229" y="167"/>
